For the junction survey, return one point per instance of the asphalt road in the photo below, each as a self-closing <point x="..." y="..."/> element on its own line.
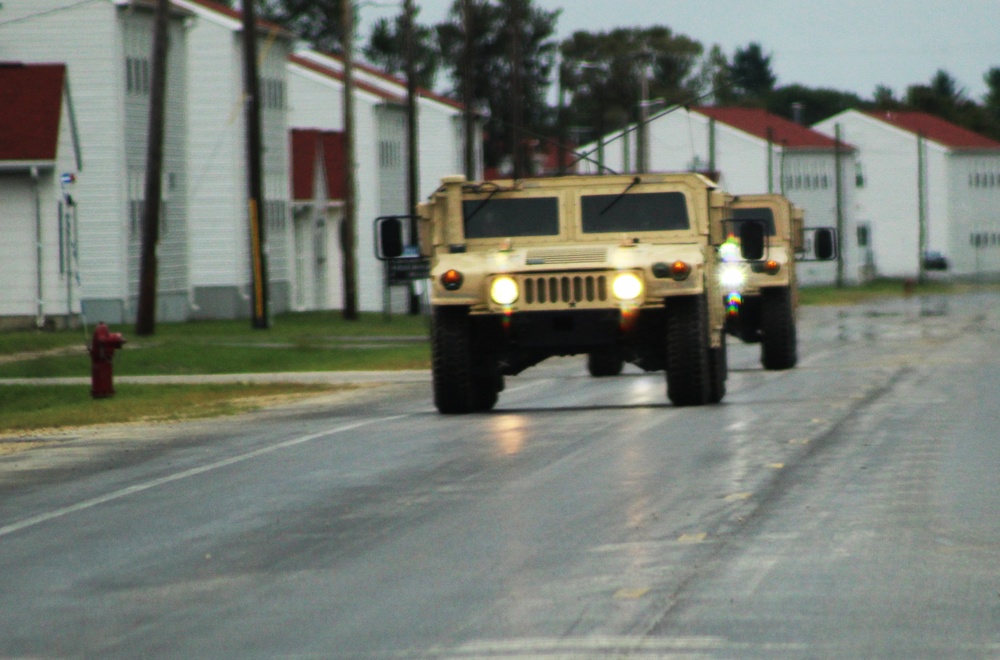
<point x="846" y="509"/>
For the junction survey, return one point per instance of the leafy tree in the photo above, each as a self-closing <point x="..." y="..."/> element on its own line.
<point x="714" y="79"/>
<point x="884" y="99"/>
<point x="386" y="49"/>
<point x="603" y="74"/>
<point x="816" y="104"/>
<point x="992" y="78"/>
<point x="495" y="27"/>
<point x="751" y="73"/>
<point x="317" y="22"/>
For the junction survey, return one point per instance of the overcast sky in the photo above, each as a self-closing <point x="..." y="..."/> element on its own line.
<point x="847" y="45"/>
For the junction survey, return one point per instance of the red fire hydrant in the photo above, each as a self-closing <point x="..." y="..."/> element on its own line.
<point x="102" y="350"/>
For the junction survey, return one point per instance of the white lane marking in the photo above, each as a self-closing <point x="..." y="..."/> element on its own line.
<point x="193" y="472"/>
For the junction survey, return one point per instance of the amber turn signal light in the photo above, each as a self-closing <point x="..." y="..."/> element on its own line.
<point x="679" y="270"/>
<point x="452" y="280"/>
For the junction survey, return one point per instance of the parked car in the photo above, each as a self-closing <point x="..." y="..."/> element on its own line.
<point x="934" y="260"/>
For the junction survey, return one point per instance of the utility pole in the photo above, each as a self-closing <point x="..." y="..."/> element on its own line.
<point x="561" y="117"/>
<point x="145" y="323"/>
<point x="839" y="199"/>
<point x="348" y="239"/>
<point x="468" y="97"/>
<point x="255" y="183"/>
<point x="521" y="168"/>
<point x="921" y="207"/>
<point x="642" y="136"/>
<point x="413" y="164"/>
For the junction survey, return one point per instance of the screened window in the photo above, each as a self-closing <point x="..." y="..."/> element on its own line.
<point x="507" y="218"/>
<point x="634" y="212"/>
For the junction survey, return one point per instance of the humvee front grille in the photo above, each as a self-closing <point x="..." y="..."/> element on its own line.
<point x="560" y="290"/>
<point x="584" y="255"/>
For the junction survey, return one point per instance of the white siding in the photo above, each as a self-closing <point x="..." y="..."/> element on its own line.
<point x="973" y="236"/>
<point x="17" y="249"/>
<point x="95" y="40"/>
<point x="956" y="208"/>
<point x="219" y="239"/>
<point x="440" y="145"/>
<point x="87" y="39"/>
<point x="218" y="235"/>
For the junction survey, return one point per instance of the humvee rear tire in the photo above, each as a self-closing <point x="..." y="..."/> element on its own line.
<point x="718" y="370"/>
<point x="687" y="351"/>
<point x="778" y="346"/>
<point x="605" y="363"/>
<point x="452" y="361"/>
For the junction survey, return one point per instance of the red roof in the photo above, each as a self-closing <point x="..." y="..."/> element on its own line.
<point x="338" y="75"/>
<point x="367" y="68"/>
<point x="308" y="145"/>
<point x="220" y="8"/>
<point x="767" y="126"/>
<point x="936" y="129"/>
<point x="30" y="108"/>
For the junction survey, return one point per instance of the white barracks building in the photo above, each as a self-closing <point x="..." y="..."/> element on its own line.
<point x="917" y="173"/>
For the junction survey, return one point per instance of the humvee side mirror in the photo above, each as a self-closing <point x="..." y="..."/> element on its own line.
<point x="820" y="244"/>
<point x="389" y="237"/>
<point x="751" y="240"/>
<point x="825" y="242"/>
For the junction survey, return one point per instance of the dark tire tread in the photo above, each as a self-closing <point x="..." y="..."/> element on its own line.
<point x="687" y="351"/>
<point x="778" y="347"/>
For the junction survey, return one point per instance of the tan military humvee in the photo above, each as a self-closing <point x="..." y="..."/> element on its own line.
<point x="764" y="309"/>
<point x="622" y="268"/>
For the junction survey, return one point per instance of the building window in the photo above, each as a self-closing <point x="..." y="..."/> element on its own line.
<point x="859" y="176"/>
<point x="389" y="153"/>
<point x="137" y="75"/>
<point x="863" y="235"/>
<point x="135" y="212"/>
<point x="273" y="95"/>
<point x="275" y="215"/>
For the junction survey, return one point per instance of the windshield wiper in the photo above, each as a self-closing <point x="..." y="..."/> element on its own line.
<point x="636" y="181"/>
<point x="479" y="208"/>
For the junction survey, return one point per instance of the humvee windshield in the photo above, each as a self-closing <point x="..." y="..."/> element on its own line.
<point x="634" y="212"/>
<point x="763" y="215"/>
<point x="505" y="218"/>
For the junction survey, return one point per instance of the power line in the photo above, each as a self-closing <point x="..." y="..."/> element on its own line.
<point x="57" y="10"/>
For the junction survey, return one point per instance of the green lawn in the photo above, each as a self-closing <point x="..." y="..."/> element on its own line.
<point x="295" y="342"/>
<point x="320" y="341"/>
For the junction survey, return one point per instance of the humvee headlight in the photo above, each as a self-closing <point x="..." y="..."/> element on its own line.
<point x="504" y="291"/>
<point x="452" y="280"/>
<point x="771" y="267"/>
<point x="627" y="286"/>
<point x="732" y="277"/>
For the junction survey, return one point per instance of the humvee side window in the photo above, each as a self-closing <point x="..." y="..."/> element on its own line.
<point x="763" y="215"/>
<point x="506" y="218"/>
<point x="634" y="212"/>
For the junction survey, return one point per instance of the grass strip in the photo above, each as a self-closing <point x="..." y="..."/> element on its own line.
<point x="28" y="408"/>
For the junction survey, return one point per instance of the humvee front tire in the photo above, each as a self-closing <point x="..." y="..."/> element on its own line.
<point x="778" y="346"/>
<point x="687" y="351"/>
<point x="451" y="360"/>
<point x="605" y="363"/>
